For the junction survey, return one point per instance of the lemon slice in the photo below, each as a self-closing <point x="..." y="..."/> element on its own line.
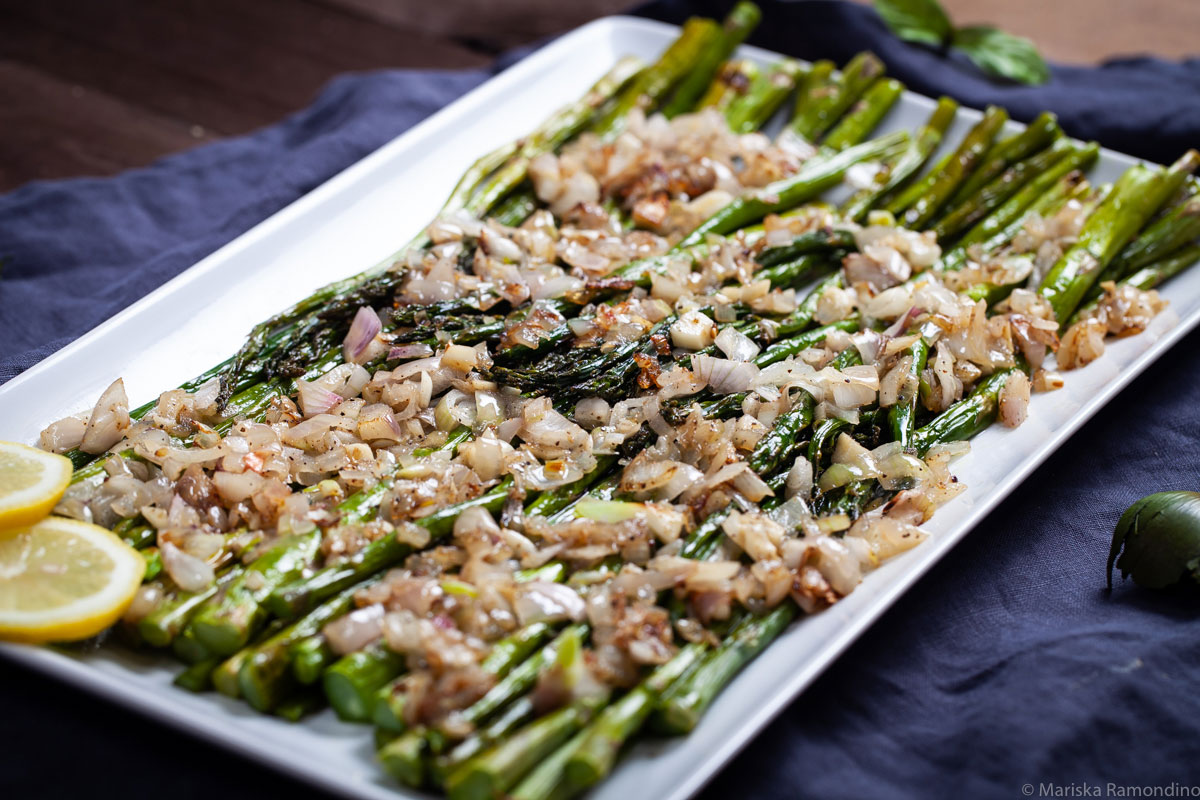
<point x="31" y="482"/>
<point x="62" y="580"/>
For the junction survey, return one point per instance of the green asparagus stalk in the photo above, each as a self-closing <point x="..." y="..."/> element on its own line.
<point x="290" y="599"/>
<point x="404" y="757"/>
<point x="918" y="205"/>
<point x="353" y="680"/>
<point x="516" y="208"/>
<point x="264" y="675"/>
<point x="903" y="415"/>
<point x="226" y="625"/>
<point x="389" y="702"/>
<point x="766" y="94"/>
<point x="820" y="241"/>
<point x="511" y="719"/>
<point x="1134" y="199"/>
<point x="825" y="434"/>
<point x="547" y="781"/>
<point x="1148" y="277"/>
<point x="865" y="115"/>
<point x="160" y="627"/>
<point x="686" y="700"/>
<point x="815" y="84"/>
<point x="850" y="357"/>
<point x="997" y="227"/>
<point x="655" y="83"/>
<point x="497" y="769"/>
<point x="190" y="650"/>
<point x="1040" y="134"/>
<point x="304" y="702"/>
<point x="520" y="676"/>
<point x="738" y="24"/>
<point x="797" y="272"/>
<point x="493" y="773"/>
<point x="593" y="756"/>
<point x="550" y="503"/>
<point x="786" y="348"/>
<point x="1164" y="236"/>
<point x="154" y="565"/>
<point x="817" y="175"/>
<point x="310" y="658"/>
<point x="552" y="134"/>
<point x="993" y="293"/>
<point x="1163" y="270"/>
<point x="135" y="532"/>
<point x="484" y="166"/>
<point x="968" y="416"/>
<point x="225" y="676"/>
<point x="198" y="677"/>
<point x="732" y="81"/>
<point x="998" y="190"/>
<point x="906" y="165"/>
<point x="778" y="442"/>
<point x="825" y="105"/>
<point x="701" y="542"/>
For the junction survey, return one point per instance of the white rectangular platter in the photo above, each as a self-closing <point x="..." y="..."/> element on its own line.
<point x="361" y="216"/>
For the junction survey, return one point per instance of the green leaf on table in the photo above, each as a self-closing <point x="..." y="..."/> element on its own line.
<point x="1157" y="541"/>
<point x="922" y="21"/>
<point x="1002" y="54"/>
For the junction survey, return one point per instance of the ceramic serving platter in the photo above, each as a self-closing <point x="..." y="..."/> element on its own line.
<point x="360" y="217"/>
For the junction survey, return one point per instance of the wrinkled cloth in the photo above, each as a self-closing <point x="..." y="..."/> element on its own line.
<point x="1007" y="665"/>
<point x="75" y="252"/>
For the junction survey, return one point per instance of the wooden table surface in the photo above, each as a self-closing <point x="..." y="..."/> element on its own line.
<point x="92" y="87"/>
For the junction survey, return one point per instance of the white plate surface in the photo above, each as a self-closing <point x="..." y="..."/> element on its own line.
<point x="361" y="216"/>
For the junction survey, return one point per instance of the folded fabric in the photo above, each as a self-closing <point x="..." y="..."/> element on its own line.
<point x="1007" y="668"/>
<point x="75" y="252"/>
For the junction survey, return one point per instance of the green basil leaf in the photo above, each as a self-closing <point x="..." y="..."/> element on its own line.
<point x="921" y="21"/>
<point x="1157" y="540"/>
<point x="1002" y="54"/>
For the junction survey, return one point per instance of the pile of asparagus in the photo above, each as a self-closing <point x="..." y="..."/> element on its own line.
<point x="257" y="632"/>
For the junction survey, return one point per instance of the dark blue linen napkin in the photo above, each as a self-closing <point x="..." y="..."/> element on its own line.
<point x="75" y="252"/>
<point x="1007" y="666"/>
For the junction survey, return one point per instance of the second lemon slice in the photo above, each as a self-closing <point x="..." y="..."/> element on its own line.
<point x="63" y="580"/>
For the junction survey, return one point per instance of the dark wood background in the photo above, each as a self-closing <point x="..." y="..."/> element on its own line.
<point x="91" y="87"/>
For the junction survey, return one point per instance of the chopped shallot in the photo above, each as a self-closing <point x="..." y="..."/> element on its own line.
<point x="363" y="330"/>
<point x="108" y="421"/>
